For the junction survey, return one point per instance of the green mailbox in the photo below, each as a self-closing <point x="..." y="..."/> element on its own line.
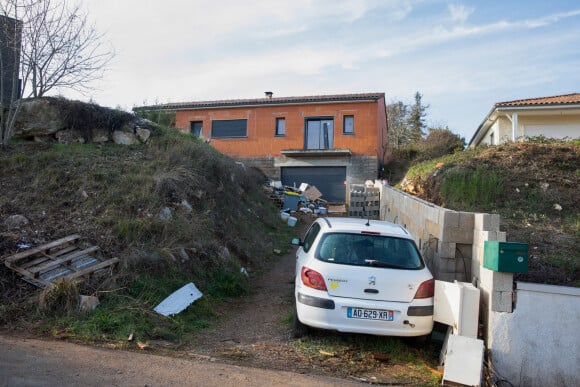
<point x="506" y="256"/>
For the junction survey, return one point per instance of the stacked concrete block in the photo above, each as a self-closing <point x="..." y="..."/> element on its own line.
<point x="497" y="287"/>
<point x="364" y="202"/>
<point x="437" y="231"/>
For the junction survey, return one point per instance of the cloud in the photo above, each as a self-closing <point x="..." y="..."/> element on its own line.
<point x="459" y="13"/>
<point x="550" y="19"/>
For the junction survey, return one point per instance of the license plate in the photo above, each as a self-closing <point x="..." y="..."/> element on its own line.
<point x="369" y="314"/>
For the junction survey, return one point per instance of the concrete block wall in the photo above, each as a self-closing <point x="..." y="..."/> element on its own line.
<point x="441" y="234"/>
<point x="496" y="287"/>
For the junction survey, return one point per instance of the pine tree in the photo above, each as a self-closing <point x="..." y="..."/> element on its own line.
<point x="416" y="120"/>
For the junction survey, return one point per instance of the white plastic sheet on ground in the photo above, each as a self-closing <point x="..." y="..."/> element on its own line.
<point x="178" y="300"/>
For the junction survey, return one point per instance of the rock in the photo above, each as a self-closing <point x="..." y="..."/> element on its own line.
<point x="100" y="136"/>
<point x="225" y="254"/>
<point x="165" y="214"/>
<point x="143" y="134"/>
<point x="38" y="117"/>
<point x="185" y="204"/>
<point x="69" y="137"/>
<point x="124" y="138"/>
<point x="88" y="303"/>
<point x="15" y="221"/>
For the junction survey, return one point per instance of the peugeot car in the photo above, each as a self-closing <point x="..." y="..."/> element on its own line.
<point x="361" y="276"/>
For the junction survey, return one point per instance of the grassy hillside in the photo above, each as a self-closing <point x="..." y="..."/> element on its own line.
<point x="533" y="186"/>
<point x="113" y="196"/>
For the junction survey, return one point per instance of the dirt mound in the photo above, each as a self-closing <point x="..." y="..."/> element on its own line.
<point x="175" y="202"/>
<point x="534" y="187"/>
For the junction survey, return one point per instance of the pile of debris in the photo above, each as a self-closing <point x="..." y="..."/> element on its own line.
<point x="306" y="198"/>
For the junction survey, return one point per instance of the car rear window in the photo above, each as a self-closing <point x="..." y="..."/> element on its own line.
<point x="369" y="250"/>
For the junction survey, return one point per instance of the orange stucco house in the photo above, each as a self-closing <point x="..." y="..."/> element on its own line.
<point x="330" y="141"/>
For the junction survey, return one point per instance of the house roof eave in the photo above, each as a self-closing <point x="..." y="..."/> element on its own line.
<point x="482" y="128"/>
<point x="281" y="101"/>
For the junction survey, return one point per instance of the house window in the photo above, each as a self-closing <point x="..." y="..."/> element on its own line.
<point x="319" y="133"/>
<point x="196" y="128"/>
<point x="348" y="125"/>
<point x="280" y="126"/>
<point x="491" y="139"/>
<point x="229" y="128"/>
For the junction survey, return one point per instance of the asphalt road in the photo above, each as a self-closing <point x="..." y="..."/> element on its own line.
<point x="33" y="362"/>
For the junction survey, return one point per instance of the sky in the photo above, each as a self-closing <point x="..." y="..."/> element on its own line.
<point x="462" y="56"/>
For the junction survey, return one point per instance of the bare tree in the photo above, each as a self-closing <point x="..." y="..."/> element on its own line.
<point x="60" y="49"/>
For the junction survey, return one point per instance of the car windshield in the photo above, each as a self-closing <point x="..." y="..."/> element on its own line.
<point x="369" y="250"/>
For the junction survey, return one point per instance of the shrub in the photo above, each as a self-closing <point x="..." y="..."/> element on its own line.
<point x="61" y="297"/>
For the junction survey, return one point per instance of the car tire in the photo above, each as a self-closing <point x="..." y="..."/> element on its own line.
<point x="298" y="329"/>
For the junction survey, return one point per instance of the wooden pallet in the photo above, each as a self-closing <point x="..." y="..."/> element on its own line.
<point x="62" y="258"/>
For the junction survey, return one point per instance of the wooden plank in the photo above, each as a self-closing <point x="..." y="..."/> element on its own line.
<point x="68" y="249"/>
<point x="57" y="262"/>
<point x="38" y="249"/>
<point x="35" y="262"/>
<point x="91" y="269"/>
<point x="46" y="257"/>
<point x="27" y="274"/>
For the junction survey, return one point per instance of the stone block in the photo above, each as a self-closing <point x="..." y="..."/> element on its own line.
<point x="501" y="236"/>
<point x="478" y="252"/>
<point x="466" y="220"/>
<point x="449" y="218"/>
<point x="501" y="301"/>
<point x="487" y="236"/>
<point x="446" y="249"/>
<point x="487" y="222"/>
<point x="457" y="234"/>
<point x="445" y="265"/>
<point x="496" y="281"/>
<point x="463" y="267"/>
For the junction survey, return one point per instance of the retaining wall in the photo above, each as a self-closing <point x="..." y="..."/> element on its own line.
<point x="530" y="332"/>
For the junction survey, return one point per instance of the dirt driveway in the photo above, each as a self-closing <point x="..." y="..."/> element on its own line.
<point x="255" y="331"/>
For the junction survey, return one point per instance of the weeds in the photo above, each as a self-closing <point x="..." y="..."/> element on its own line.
<point x="60" y="298"/>
<point x="482" y="187"/>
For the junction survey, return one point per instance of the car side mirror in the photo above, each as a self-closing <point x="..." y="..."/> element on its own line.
<point x="296" y="242"/>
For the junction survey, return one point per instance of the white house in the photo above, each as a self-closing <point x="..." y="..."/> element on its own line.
<point x="551" y="117"/>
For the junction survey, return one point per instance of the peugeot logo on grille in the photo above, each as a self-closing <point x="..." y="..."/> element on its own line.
<point x="372" y="280"/>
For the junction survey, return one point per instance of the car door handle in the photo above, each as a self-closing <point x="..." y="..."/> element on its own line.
<point x="372" y="291"/>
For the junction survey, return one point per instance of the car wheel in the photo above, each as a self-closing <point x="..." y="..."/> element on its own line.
<point x="298" y="329"/>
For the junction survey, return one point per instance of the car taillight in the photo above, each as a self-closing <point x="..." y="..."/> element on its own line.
<point x="426" y="289"/>
<point x="312" y="278"/>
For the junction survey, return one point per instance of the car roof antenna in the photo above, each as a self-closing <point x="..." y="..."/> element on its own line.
<point x="368" y="223"/>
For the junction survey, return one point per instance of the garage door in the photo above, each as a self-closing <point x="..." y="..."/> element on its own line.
<point x="328" y="180"/>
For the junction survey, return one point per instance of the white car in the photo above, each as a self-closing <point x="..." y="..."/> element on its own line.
<point x="361" y="276"/>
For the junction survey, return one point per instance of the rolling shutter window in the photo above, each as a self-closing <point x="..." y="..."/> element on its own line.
<point x="229" y="128"/>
